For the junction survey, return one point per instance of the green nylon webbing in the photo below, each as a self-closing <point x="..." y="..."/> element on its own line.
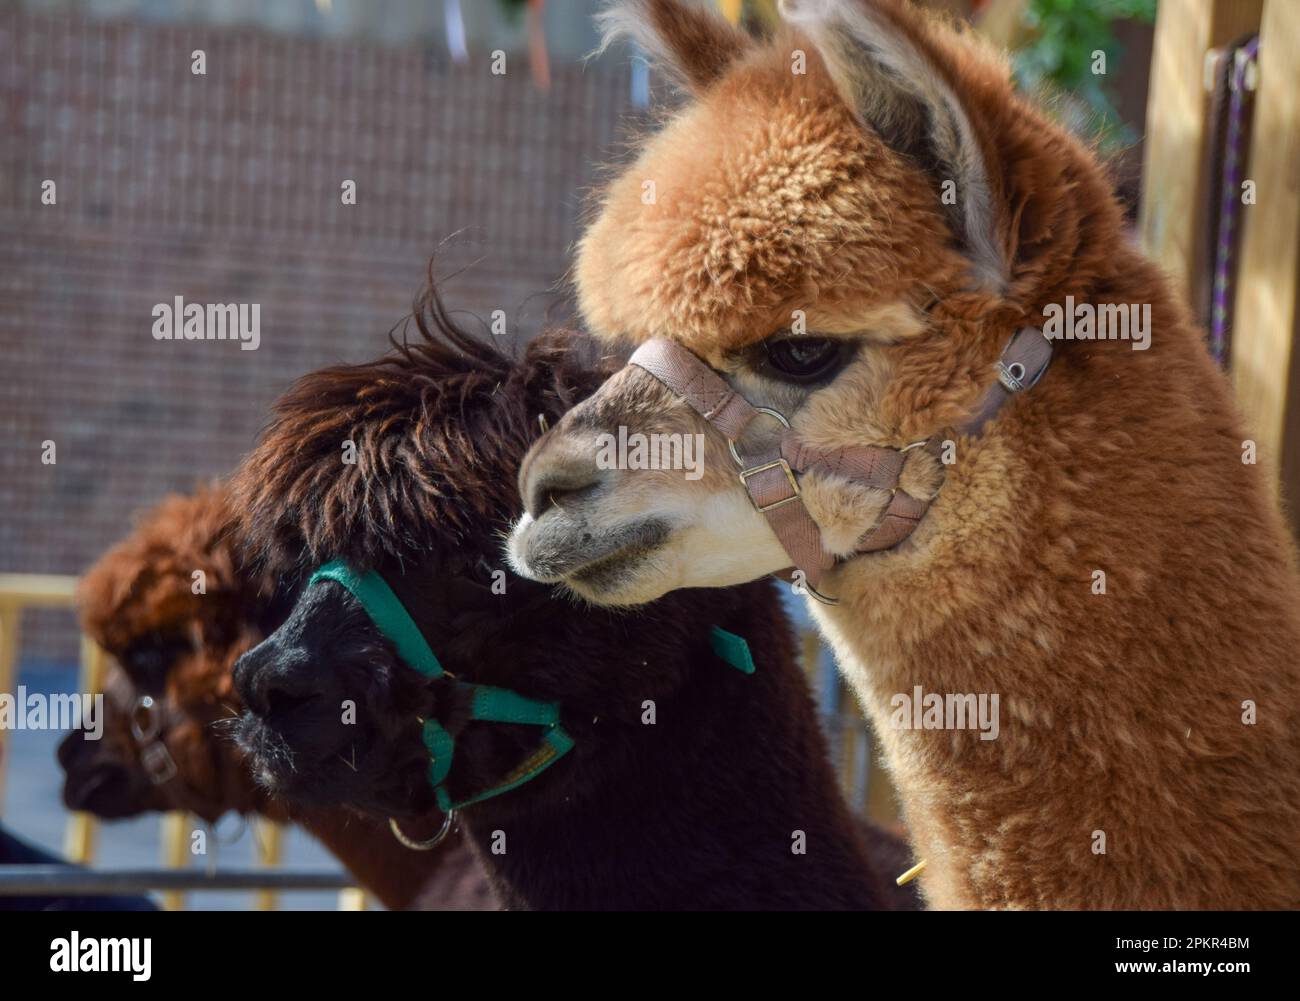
<point x="733" y="649"/>
<point x="440" y="745"/>
<point x="387" y="612"/>
<point x="554" y="745"/>
<point x="490" y="704"/>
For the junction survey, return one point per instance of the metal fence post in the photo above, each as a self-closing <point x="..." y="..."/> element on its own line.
<point x="9" y="620"/>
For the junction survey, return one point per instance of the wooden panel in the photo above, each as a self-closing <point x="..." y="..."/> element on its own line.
<point x="1174" y="195"/>
<point x="1265" y="325"/>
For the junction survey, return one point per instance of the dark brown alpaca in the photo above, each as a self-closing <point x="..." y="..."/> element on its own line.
<point x="699" y="810"/>
<point x="178" y="648"/>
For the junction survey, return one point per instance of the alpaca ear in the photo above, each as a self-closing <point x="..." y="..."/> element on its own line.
<point x="876" y="53"/>
<point x="692" y="46"/>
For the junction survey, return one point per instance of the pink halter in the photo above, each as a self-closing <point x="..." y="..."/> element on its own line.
<point x="772" y="478"/>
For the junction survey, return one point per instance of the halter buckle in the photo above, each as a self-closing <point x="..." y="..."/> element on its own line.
<point x="158" y="763"/>
<point x="745" y="474"/>
<point x="1011" y="376"/>
<point x="784" y="466"/>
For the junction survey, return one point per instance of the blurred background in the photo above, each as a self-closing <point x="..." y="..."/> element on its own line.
<point x="225" y="187"/>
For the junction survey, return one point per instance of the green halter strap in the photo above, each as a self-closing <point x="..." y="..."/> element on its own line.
<point x="733" y="649"/>
<point x="488" y="703"/>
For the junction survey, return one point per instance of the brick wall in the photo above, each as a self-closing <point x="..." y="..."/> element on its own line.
<point x="226" y="188"/>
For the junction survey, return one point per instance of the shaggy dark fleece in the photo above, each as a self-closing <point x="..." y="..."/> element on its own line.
<point x="726" y="800"/>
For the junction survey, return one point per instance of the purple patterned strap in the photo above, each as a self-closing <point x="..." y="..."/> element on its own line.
<point x="1225" y="243"/>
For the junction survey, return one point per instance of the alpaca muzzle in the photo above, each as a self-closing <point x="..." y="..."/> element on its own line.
<point x="488" y="703"/>
<point x="771" y="477"/>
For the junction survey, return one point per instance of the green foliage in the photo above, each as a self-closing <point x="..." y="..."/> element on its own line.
<point x="1064" y="35"/>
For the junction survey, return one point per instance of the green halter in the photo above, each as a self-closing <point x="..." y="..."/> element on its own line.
<point x="489" y="704"/>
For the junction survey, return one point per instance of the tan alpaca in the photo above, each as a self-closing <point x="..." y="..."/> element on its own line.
<point x="852" y="246"/>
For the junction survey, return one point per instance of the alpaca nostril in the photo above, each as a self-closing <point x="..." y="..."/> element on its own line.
<point x="557" y="476"/>
<point x="559" y="488"/>
<point x="285" y="686"/>
<point x="273" y="680"/>
<point x="281" y="702"/>
<point x="103" y="788"/>
<point x="247" y="677"/>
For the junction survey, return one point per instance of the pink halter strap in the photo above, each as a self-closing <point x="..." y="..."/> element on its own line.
<point x="772" y="478"/>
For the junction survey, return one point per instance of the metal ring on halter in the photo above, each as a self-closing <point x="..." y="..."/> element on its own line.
<point x="731" y="442"/>
<point x="146" y="721"/>
<point x="215" y="835"/>
<point x="146" y="732"/>
<point x="731" y="445"/>
<point x="816" y="595"/>
<point x="423" y="846"/>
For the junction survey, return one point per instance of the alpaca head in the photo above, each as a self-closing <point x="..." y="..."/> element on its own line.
<point x="405" y="467"/>
<point x="847" y="223"/>
<point x="168" y="693"/>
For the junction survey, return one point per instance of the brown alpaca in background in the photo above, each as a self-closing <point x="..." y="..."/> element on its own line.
<point x="178" y="647"/>
<point x="848" y="224"/>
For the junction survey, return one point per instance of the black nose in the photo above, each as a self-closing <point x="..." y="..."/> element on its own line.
<point x="72" y="748"/>
<point x="97" y="780"/>
<point x="274" y="680"/>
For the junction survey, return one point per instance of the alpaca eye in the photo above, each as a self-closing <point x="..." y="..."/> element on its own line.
<point x="805" y="359"/>
<point x="150" y="659"/>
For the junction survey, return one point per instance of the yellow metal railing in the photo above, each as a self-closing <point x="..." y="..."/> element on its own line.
<point x="17" y="592"/>
<point x="22" y="591"/>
